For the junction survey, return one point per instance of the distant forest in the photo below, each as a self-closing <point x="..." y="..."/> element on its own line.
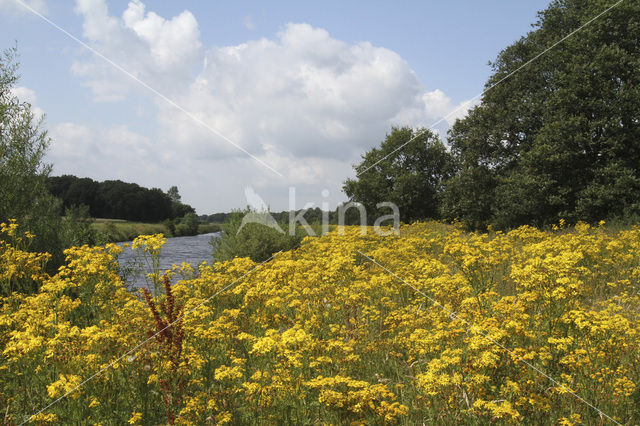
<point x="114" y="199"/>
<point x="312" y="215"/>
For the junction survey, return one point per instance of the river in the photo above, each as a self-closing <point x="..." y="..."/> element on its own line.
<point x="193" y="250"/>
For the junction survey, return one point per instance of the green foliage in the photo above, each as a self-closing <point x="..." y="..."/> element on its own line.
<point x="174" y="194"/>
<point x="209" y="228"/>
<point x="170" y="226"/>
<point x="410" y="177"/>
<point x="23" y="144"/>
<point x="559" y="138"/>
<point x="114" y="199"/>
<point x="188" y="225"/>
<point x="23" y="175"/>
<point x="215" y="217"/>
<point x="77" y="229"/>
<point x="469" y="196"/>
<point x="253" y="240"/>
<point x="314" y="216"/>
<point x="114" y="230"/>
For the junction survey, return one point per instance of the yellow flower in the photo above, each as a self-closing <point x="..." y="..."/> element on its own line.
<point x="149" y="243"/>
<point x="66" y="383"/>
<point x="44" y="418"/>
<point x="136" y="418"/>
<point x="323" y="327"/>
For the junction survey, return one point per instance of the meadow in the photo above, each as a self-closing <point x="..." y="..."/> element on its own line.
<point x="436" y="325"/>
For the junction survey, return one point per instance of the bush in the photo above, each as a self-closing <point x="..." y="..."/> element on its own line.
<point x="170" y="226"/>
<point x="188" y="225"/>
<point x="253" y="240"/>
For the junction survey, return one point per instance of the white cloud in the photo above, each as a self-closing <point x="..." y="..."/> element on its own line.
<point x="303" y="94"/>
<point x="114" y="152"/>
<point x="461" y="110"/>
<point x="304" y="102"/>
<point x="15" y="8"/>
<point x="117" y="152"/>
<point x="27" y="95"/>
<point x="73" y="148"/>
<point x="160" y="52"/>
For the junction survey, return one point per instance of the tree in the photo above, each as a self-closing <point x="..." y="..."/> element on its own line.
<point x="188" y="225"/>
<point x="115" y="199"/>
<point x="559" y="138"/>
<point x="174" y="195"/>
<point x="180" y="210"/>
<point x="23" y="174"/>
<point x="410" y="177"/>
<point x="23" y="144"/>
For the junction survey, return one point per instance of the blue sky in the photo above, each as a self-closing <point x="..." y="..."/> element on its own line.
<point x="303" y="87"/>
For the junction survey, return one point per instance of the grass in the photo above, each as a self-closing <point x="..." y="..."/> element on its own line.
<point x="116" y="230"/>
<point x="207" y="228"/>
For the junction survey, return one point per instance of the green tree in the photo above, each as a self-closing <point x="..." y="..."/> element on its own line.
<point x="173" y="194"/>
<point x="23" y="144"/>
<point x="117" y="199"/>
<point x="23" y="174"/>
<point x="560" y="137"/>
<point x="188" y="225"/>
<point x="410" y="177"/>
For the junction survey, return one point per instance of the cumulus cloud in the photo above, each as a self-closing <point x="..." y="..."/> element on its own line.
<point x="461" y="110"/>
<point x="303" y="94"/>
<point x="25" y="94"/>
<point x="113" y="152"/>
<point x="160" y="52"/>
<point x="15" y="8"/>
<point x="302" y="101"/>
<point x="117" y="152"/>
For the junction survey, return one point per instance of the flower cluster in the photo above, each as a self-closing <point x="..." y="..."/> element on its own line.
<point x="469" y="330"/>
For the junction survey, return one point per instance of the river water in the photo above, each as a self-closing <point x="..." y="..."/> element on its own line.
<point x="193" y="250"/>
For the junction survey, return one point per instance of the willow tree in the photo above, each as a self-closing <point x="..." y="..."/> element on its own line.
<point x="23" y="172"/>
<point x="23" y="144"/>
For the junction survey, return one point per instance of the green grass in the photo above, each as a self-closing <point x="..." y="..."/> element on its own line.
<point x="116" y="230"/>
<point x="207" y="228"/>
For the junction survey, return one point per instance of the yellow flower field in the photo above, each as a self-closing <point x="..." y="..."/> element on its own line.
<point x="460" y="328"/>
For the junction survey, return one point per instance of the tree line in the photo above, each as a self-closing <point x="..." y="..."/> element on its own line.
<point x="114" y="199"/>
<point x="313" y="216"/>
<point x="555" y="136"/>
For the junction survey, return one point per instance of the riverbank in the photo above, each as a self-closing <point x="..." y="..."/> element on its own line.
<point x="117" y="230"/>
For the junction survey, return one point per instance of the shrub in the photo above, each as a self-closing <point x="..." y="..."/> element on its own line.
<point x="253" y="240"/>
<point x="188" y="225"/>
